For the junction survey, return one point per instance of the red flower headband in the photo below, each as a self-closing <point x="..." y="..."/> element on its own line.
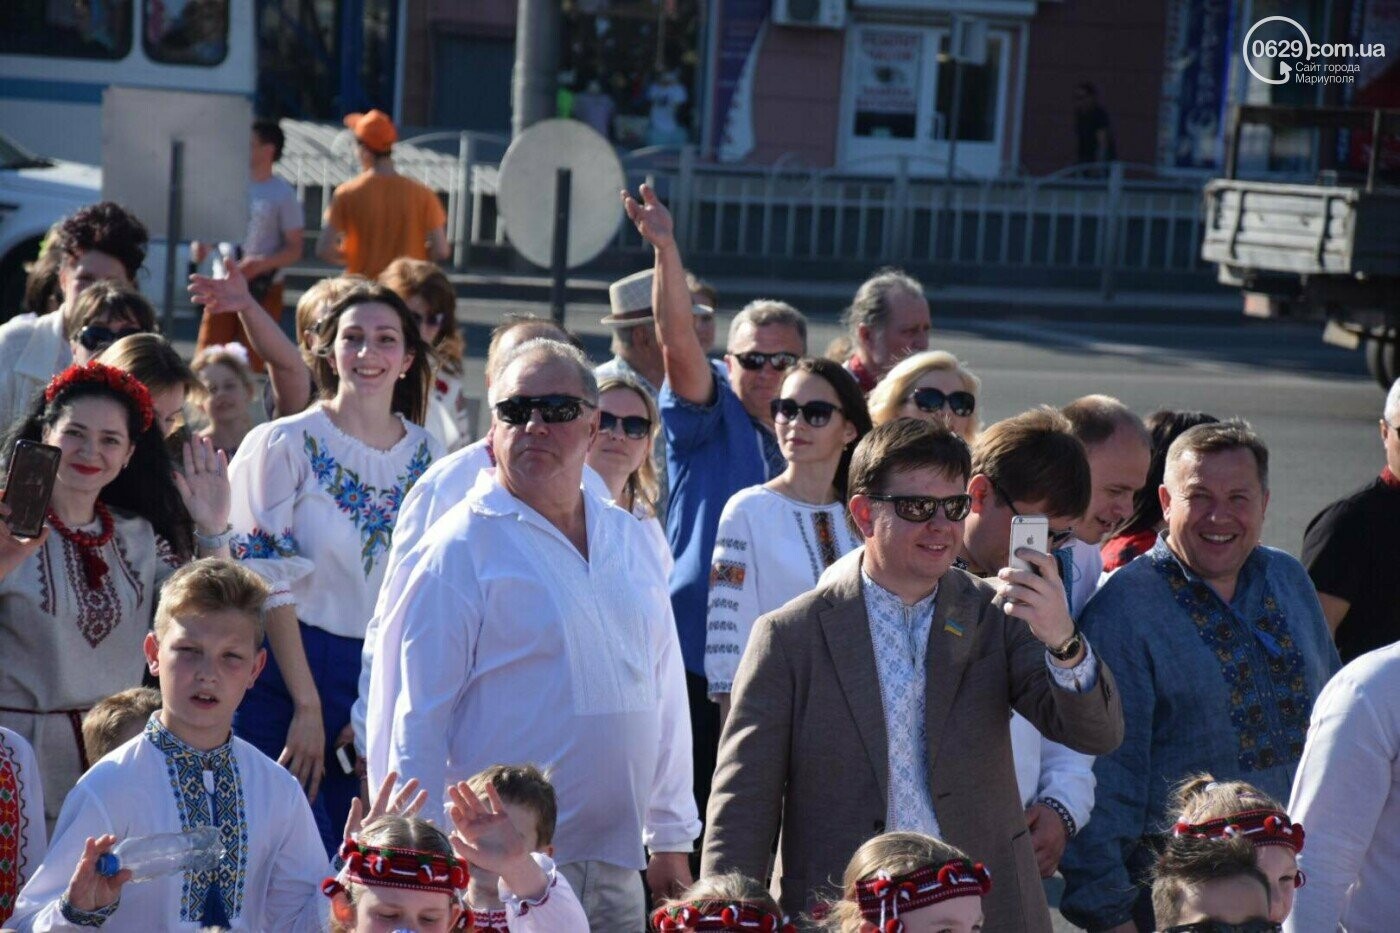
<point x="1261" y="827"/>
<point x="882" y="898"/>
<point x="720" y="915"/>
<point x="387" y="866"/>
<point x="96" y="373"/>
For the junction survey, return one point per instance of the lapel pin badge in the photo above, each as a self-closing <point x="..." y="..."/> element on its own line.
<point x="953" y="628"/>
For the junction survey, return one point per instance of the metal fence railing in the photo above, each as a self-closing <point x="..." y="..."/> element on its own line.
<point x="1102" y="219"/>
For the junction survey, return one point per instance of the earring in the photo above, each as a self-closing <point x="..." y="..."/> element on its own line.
<point x="403" y="375"/>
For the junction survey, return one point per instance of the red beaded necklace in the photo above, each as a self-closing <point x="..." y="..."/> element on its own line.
<point x="88" y="544"/>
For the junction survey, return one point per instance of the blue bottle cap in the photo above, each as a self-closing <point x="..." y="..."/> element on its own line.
<point x="108" y="864"/>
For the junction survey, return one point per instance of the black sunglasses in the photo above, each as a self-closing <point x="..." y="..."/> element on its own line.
<point x="931" y="400"/>
<point x="634" y="426"/>
<point x="553" y="409"/>
<point x="755" y="360"/>
<point x="1215" y="926"/>
<point x="817" y="414"/>
<point x="95" y="337"/>
<point x="1055" y="539"/>
<point x="923" y="508"/>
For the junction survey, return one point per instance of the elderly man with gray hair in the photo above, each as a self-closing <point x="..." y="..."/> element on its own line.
<point x="1351" y="552"/>
<point x="532" y="623"/>
<point x="1220" y="649"/>
<point x="888" y="320"/>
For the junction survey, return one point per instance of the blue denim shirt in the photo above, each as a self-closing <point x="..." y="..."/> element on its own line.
<point x="712" y="452"/>
<point x="1181" y="716"/>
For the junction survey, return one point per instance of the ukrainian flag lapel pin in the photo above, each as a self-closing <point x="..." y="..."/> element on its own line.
<point x="953" y="628"/>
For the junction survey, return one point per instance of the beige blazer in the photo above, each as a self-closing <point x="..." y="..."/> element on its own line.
<point x="805" y="745"/>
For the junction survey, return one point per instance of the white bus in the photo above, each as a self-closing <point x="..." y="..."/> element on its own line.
<point x="58" y="56"/>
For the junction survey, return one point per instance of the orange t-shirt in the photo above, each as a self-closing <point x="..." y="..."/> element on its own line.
<point x="383" y="217"/>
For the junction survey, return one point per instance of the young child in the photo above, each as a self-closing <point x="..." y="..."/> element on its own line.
<point x="22" y="838"/>
<point x="722" y="902"/>
<point x="1218" y="810"/>
<point x="118" y="719"/>
<point x="910" y="883"/>
<point x="399" y="874"/>
<point x="1199" y="882"/>
<point x="504" y="818"/>
<point x="185" y="771"/>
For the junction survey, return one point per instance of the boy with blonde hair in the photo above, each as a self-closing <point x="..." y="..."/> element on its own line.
<point x="118" y="719"/>
<point x="187" y="770"/>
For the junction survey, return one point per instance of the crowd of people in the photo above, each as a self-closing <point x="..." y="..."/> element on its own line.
<point x="682" y="642"/>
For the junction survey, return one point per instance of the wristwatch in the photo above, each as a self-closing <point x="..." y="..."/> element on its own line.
<point x="1069" y="648"/>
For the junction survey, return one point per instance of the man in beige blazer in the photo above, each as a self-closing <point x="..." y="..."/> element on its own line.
<point x="881" y="700"/>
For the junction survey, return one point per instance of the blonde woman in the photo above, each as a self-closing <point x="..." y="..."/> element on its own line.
<point x="933" y="385"/>
<point x="627" y="427"/>
<point x="229" y="386"/>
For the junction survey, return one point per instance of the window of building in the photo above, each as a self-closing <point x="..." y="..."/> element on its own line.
<point x="94" y="29"/>
<point x="887" y="68"/>
<point x="978" y="111"/>
<point x="186" y="32"/>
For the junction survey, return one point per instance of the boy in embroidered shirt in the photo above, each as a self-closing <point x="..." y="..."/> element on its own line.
<point x="118" y="719"/>
<point x="186" y="770"/>
<point x="504" y="818"/>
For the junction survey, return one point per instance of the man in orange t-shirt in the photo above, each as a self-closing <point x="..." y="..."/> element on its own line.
<point x="380" y="215"/>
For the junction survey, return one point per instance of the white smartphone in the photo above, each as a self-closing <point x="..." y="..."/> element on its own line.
<point x="1032" y="531"/>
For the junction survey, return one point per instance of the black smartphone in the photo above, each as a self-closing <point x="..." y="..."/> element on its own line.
<point x="347" y="757"/>
<point x="33" y="468"/>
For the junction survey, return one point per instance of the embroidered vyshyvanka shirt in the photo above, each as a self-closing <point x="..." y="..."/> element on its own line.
<point x="65" y="645"/>
<point x="313" y="513"/>
<point x="769" y="549"/>
<point x="22" y="837"/>
<point x="273" y="863"/>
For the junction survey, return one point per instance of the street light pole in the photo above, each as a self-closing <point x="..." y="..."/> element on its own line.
<point x="533" y="82"/>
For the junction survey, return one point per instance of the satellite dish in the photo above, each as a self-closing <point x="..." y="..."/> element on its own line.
<point x="526" y="187"/>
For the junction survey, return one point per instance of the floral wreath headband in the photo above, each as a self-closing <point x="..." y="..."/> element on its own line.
<point x="720" y="915"/>
<point x="1265" y="827"/>
<point x="389" y="866"/>
<point x="884" y="897"/>
<point x="95" y="373"/>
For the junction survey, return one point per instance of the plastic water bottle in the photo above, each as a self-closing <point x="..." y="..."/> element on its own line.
<point x="147" y="857"/>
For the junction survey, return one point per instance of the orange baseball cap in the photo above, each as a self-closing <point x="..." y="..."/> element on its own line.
<point x="374" y="129"/>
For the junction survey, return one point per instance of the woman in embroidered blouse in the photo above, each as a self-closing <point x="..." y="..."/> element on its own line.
<point x="432" y="299"/>
<point x="775" y="540"/>
<point x="621" y="453"/>
<point x="315" y="496"/>
<point x="76" y="602"/>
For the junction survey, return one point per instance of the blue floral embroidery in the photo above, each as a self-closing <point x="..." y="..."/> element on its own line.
<point x="264" y="544"/>
<point x="1260" y="662"/>
<point x="370" y="509"/>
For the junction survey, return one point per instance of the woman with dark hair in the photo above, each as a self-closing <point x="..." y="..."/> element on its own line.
<point x="775" y="540"/>
<point x="1140" y="532"/>
<point x="76" y="602"/>
<point x="433" y="301"/>
<point x="315" y="496"/>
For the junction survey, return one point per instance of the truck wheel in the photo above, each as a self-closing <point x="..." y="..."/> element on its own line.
<point x="1381" y="360"/>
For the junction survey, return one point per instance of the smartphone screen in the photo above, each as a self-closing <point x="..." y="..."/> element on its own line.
<point x="1032" y="531"/>
<point x="33" y="467"/>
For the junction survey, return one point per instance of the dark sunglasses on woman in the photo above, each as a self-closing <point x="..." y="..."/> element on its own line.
<point x="553" y="409"/>
<point x="931" y="400"/>
<point x="920" y="509"/>
<point x="95" y="337"/>
<point x="817" y="414"/>
<point x="781" y="362"/>
<point x="634" y="426"/>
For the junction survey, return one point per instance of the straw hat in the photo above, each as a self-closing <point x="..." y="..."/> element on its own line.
<point x="630" y="300"/>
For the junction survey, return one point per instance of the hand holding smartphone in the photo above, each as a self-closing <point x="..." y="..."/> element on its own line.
<point x="29" y="486"/>
<point x="1028" y="531"/>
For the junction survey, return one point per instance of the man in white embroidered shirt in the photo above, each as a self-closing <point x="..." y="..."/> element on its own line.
<point x="531" y="624"/>
<point x="881" y="700"/>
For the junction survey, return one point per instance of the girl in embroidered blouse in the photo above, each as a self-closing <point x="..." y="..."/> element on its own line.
<point x="621" y="453"/>
<point x="910" y="883"/>
<point x="315" y="496"/>
<point x="1218" y="809"/>
<point x="775" y="540"/>
<point x="432" y="299"/>
<point x="227" y="394"/>
<point x="76" y="602"/>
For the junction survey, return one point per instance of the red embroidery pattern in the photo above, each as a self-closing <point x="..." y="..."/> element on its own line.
<point x="99" y="610"/>
<point x="826" y="538"/>
<point x="727" y="573"/>
<point x="13" y="824"/>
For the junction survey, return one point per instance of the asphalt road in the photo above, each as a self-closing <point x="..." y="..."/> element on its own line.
<point x="1313" y="404"/>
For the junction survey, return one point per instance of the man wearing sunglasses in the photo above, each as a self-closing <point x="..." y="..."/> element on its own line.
<point x="879" y="700"/>
<point x="719" y="436"/>
<point x="533" y="623"/>
<point x="888" y="320"/>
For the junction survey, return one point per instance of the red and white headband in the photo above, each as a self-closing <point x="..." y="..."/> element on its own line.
<point x="720" y="915"/>
<point x="883" y="898"/>
<point x="388" y="866"/>
<point x="1265" y="827"/>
